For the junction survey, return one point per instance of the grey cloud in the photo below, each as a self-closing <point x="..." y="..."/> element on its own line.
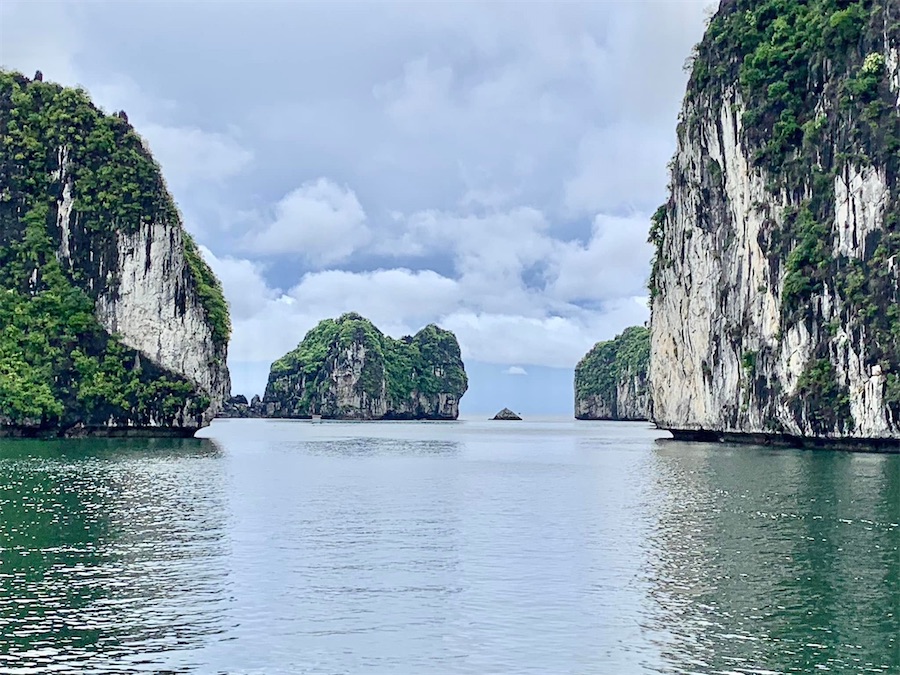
<point x="190" y="156"/>
<point x="611" y="170"/>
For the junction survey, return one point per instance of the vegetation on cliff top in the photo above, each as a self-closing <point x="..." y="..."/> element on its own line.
<point x="785" y="56"/>
<point x="601" y="369"/>
<point x="208" y="289"/>
<point x="817" y="98"/>
<point x="58" y="366"/>
<point x="427" y="363"/>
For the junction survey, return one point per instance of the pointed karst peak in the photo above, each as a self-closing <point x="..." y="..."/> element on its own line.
<point x="506" y="414"/>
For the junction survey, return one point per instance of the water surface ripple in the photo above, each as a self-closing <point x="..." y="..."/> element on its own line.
<point x="545" y="546"/>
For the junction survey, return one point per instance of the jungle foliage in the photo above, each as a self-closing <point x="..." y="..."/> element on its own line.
<point x="427" y="364"/>
<point x="601" y="369"/>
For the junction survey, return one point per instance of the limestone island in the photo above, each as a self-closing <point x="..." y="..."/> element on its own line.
<point x="506" y="414"/>
<point x="611" y="380"/>
<point x="775" y="287"/>
<point x="347" y="369"/>
<point x="238" y="407"/>
<point x="111" y="323"/>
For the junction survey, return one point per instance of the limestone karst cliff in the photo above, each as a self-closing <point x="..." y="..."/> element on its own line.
<point x="775" y="283"/>
<point x="346" y="368"/>
<point x="110" y="321"/>
<point x="611" y="379"/>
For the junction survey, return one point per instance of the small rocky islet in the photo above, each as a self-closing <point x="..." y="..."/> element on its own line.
<point x="507" y="415"/>
<point x="346" y="368"/>
<point x="774" y="286"/>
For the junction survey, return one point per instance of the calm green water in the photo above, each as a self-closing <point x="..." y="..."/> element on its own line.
<point x="471" y="547"/>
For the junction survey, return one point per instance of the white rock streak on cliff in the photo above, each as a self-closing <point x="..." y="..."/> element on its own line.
<point x="64" y="205"/>
<point x="150" y="301"/>
<point x="861" y="196"/>
<point x="345" y="378"/>
<point x="893" y="66"/>
<point x="155" y="310"/>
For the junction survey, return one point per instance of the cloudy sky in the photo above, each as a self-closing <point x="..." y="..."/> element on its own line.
<point x="490" y="167"/>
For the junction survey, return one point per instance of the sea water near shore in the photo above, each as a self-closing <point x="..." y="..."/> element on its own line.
<point x="543" y="546"/>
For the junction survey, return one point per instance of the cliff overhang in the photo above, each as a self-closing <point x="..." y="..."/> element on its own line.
<point x="879" y="445"/>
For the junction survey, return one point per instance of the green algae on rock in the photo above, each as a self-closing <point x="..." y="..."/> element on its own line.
<point x="346" y="368"/>
<point x="110" y="321"/>
<point x="611" y="379"/>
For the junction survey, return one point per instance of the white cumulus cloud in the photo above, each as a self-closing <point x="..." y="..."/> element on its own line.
<point x="321" y="220"/>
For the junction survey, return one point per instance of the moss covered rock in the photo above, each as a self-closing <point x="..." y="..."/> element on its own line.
<point x="346" y="368"/>
<point x="110" y="321"/>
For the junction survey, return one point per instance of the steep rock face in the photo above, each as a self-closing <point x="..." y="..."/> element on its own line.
<point x="155" y="309"/>
<point x="611" y="380"/>
<point x="110" y="321"/>
<point x="348" y="369"/>
<point x="775" y="283"/>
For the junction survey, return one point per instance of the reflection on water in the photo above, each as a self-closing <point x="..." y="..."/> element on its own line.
<point x="377" y="447"/>
<point x="110" y="551"/>
<point x="446" y="548"/>
<point x="785" y="561"/>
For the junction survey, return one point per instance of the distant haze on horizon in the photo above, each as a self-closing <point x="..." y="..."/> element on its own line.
<point x="489" y="167"/>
